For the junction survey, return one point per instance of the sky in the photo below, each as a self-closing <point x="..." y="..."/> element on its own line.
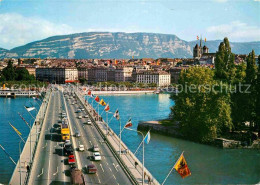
<point x="24" y="21"/>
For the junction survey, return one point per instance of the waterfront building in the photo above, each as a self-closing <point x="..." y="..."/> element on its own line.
<point x="57" y="75"/>
<point x="161" y="78"/>
<point x="123" y="74"/>
<point x="83" y="73"/>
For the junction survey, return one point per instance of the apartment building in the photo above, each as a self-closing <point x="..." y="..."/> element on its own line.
<point x="161" y="78"/>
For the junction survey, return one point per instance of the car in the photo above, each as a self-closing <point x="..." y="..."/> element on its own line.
<point x="71" y="159"/>
<point x="96" y="156"/>
<point x="82" y="109"/>
<point x="77" y="134"/>
<point x="86" y="116"/>
<point x="95" y="148"/>
<point x="68" y="149"/>
<point x="91" y="169"/>
<point x="81" y="148"/>
<point x="80" y="117"/>
<point x="87" y="122"/>
<point x="78" y="111"/>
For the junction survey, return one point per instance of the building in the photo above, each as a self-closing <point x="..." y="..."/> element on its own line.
<point x="123" y="74"/>
<point x="198" y="50"/>
<point x="57" y="75"/>
<point x="161" y="78"/>
<point x="83" y="73"/>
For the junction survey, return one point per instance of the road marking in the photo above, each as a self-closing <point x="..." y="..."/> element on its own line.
<point x="107" y="163"/>
<point x="45" y="145"/>
<point x="114" y="176"/>
<point x="40" y="173"/>
<point x="102" y="167"/>
<point x="98" y="179"/>
<point x="110" y="169"/>
<point x="115" y="166"/>
<point x="56" y="171"/>
<point x="90" y="142"/>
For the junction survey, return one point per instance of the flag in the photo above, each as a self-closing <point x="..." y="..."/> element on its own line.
<point x="92" y="96"/>
<point x="89" y="93"/>
<point x="198" y="38"/>
<point x="205" y="39"/>
<point x="116" y="115"/>
<point x="102" y="102"/>
<point x="181" y="167"/>
<point x="147" y="138"/>
<point x="107" y="108"/>
<point x="97" y="99"/>
<point x="129" y="123"/>
<point x="19" y="133"/>
<point x="29" y="109"/>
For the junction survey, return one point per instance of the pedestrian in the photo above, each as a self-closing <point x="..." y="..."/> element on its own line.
<point x="149" y="180"/>
<point x="136" y="163"/>
<point x="28" y="168"/>
<point x="144" y="174"/>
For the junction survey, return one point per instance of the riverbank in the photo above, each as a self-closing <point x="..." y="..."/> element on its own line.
<point x="164" y="128"/>
<point x="121" y="92"/>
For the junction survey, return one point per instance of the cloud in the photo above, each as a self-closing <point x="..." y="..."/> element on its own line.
<point x="235" y="31"/>
<point x="220" y="1"/>
<point x="16" y="30"/>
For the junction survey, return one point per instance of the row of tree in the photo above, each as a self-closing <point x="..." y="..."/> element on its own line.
<point x="218" y="101"/>
<point x="10" y="73"/>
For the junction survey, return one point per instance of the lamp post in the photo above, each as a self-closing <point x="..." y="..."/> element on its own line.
<point x="143" y="151"/>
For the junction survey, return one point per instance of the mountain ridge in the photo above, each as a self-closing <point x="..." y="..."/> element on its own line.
<point x="88" y="45"/>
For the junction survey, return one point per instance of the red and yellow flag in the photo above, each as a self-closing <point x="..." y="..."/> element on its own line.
<point x="181" y="167"/>
<point x="97" y="99"/>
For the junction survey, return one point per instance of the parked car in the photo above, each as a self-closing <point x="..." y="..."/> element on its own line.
<point x="71" y="159"/>
<point x="96" y="156"/>
<point x="91" y="169"/>
<point x="81" y="148"/>
<point x="80" y="117"/>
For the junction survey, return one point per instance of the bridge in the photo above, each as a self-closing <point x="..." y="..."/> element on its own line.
<point x="49" y="164"/>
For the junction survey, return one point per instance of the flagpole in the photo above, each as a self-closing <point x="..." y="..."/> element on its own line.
<point x="107" y="122"/>
<point x="120" y="138"/>
<point x="7" y="154"/>
<point x="172" y="169"/>
<point x="98" y="112"/>
<point x="143" y="150"/>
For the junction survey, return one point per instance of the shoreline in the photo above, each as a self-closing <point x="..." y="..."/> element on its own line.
<point x="172" y="131"/>
<point x="121" y="92"/>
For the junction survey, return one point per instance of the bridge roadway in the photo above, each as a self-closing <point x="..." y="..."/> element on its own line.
<point x="50" y="165"/>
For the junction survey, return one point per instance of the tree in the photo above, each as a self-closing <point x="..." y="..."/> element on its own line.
<point x="22" y="74"/>
<point x="251" y="74"/>
<point x="9" y="71"/>
<point x="257" y="107"/>
<point x="224" y="63"/>
<point x="204" y="113"/>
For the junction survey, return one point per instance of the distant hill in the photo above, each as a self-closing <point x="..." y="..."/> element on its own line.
<point x="117" y="45"/>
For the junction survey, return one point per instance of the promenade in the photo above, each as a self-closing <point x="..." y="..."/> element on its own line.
<point x="128" y="158"/>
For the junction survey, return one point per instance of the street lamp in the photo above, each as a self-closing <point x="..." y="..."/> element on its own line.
<point x="143" y="151"/>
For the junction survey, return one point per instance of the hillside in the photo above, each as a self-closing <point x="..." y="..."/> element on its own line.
<point x="117" y="45"/>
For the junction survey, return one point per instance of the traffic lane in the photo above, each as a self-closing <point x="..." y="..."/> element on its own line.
<point x="83" y="156"/>
<point x="108" y="163"/>
<point x="41" y="175"/>
<point x="116" y="169"/>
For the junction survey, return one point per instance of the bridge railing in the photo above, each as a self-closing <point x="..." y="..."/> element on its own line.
<point x="25" y="154"/>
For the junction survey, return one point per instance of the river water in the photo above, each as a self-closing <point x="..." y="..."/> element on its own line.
<point x="9" y="109"/>
<point x="208" y="165"/>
